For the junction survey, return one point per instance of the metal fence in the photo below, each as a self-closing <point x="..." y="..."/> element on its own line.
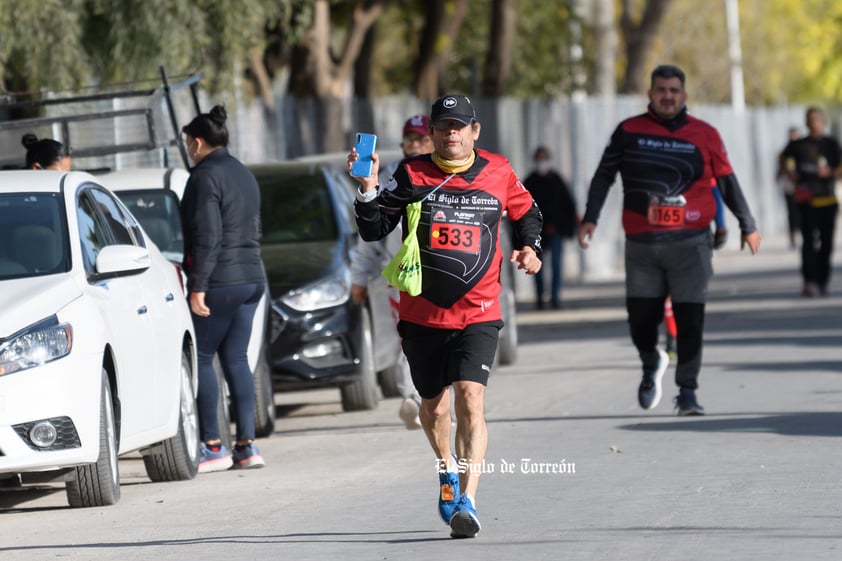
<point x="575" y="130"/>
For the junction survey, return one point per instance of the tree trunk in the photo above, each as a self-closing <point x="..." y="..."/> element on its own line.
<point x="443" y="19"/>
<point x="263" y="84"/>
<point x="638" y="40"/>
<point x="315" y="75"/>
<point x="319" y="42"/>
<point x="364" y="19"/>
<point x="606" y="48"/>
<point x="426" y="68"/>
<point x="498" y="62"/>
<point x="362" y="66"/>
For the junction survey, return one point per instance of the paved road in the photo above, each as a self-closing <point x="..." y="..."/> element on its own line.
<point x="758" y="477"/>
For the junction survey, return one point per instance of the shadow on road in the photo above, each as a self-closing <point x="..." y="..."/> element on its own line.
<point x="320" y="537"/>
<point x="12" y="498"/>
<point x="789" y="424"/>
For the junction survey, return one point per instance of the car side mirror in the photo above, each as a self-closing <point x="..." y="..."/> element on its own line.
<point x="120" y="260"/>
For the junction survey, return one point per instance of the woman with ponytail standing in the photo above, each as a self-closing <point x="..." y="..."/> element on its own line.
<point x="220" y="212"/>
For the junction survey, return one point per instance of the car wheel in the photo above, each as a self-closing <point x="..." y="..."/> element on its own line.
<point x="507" y="345"/>
<point x="223" y="411"/>
<point x="98" y="484"/>
<point x="264" y="399"/>
<point x="388" y="381"/>
<point x="177" y="458"/>
<point x="362" y="393"/>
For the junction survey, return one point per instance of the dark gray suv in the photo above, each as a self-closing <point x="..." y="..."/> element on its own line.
<point x="317" y="335"/>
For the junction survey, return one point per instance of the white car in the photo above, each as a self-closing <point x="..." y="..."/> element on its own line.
<point x="97" y="352"/>
<point x="152" y="195"/>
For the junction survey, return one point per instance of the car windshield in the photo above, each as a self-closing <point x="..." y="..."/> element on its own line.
<point x="33" y="235"/>
<point x="157" y="211"/>
<point x="296" y="207"/>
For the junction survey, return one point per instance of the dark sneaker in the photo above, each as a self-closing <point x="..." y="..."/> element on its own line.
<point x="649" y="392"/>
<point x="686" y="404"/>
<point x="465" y="522"/>
<point x="247" y="457"/>
<point x="448" y="493"/>
<point x="213" y="460"/>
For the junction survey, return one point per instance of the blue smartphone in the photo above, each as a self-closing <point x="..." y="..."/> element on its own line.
<point x="364" y="146"/>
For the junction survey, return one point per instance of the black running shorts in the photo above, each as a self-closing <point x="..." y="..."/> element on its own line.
<point x="439" y="357"/>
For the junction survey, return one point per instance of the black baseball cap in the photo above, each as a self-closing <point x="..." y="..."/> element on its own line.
<point x="455" y="107"/>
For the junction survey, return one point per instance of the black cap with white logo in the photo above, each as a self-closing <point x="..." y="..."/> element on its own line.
<point x="455" y="107"/>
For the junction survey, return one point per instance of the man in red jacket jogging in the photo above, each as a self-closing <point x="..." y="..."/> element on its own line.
<point x="668" y="161"/>
<point x="449" y="331"/>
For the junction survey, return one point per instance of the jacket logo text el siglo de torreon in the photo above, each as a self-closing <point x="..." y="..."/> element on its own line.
<point x="666" y="145"/>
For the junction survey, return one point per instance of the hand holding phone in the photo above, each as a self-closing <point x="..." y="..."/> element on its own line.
<point x="364" y="147"/>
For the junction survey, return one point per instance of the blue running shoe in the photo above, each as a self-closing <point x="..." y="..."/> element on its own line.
<point x="649" y="392"/>
<point x="210" y="460"/>
<point x="248" y="457"/>
<point x="465" y="522"/>
<point x="448" y="494"/>
<point x="686" y="403"/>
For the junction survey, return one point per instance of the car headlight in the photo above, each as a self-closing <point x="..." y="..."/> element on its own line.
<point x="325" y="293"/>
<point x="38" y="344"/>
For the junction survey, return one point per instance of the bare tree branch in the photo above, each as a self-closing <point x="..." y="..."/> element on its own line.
<point x="498" y="62"/>
<point x="261" y="79"/>
<point x="364" y="18"/>
<point x="639" y="40"/>
<point x="437" y="44"/>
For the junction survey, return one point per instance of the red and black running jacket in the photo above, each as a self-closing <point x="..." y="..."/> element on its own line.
<point x="459" y="234"/>
<point x="682" y="156"/>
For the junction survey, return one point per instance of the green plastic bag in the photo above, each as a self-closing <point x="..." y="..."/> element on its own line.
<point x="404" y="270"/>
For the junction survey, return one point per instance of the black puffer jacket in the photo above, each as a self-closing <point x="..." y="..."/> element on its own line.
<point x="220" y="213"/>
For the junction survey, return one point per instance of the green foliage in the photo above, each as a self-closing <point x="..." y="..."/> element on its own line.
<point x="541" y="63"/>
<point x="41" y="44"/>
<point x="792" y="49"/>
<point x="128" y="40"/>
<point x="234" y="28"/>
<point x="57" y="44"/>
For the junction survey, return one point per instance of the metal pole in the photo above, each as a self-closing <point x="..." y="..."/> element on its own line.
<point x="735" y="55"/>
<point x="178" y="142"/>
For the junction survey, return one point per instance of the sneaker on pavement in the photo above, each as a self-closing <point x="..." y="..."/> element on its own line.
<point x="649" y="392"/>
<point x="464" y="523"/>
<point x="409" y="413"/>
<point x="448" y="493"/>
<point x="247" y="457"/>
<point x="686" y="404"/>
<point x="213" y="460"/>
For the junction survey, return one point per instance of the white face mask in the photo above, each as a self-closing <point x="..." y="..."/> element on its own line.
<point x="189" y="157"/>
<point x="543" y="166"/>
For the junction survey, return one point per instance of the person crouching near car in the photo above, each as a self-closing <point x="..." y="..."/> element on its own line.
<point x="220" y="212"/>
